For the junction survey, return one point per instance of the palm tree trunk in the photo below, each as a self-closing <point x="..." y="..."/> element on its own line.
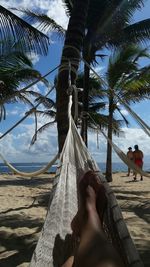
<point x="74" y="37"/>
<point x="84" y="127"/>
<point x="109" y="148"/>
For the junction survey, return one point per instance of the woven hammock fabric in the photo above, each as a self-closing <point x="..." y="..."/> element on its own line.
<point x="52" y="249"/>
<point x="63" y="206"/>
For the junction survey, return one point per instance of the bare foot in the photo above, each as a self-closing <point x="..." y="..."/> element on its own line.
<point x="92" y="196"/>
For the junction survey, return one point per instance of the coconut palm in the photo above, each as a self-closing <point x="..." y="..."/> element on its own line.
<point x="112" y="27"/>
<point x="108" y="24"/>
<point x="96" y="108"/>
<point x="131" y="83"/>
<point x="15" y="69"/>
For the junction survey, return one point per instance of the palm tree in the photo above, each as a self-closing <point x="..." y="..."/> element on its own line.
<point x="96" y="107"/>
<point x="15" y="69"/>
<point x="111" y="27"/>
<point x="72" y="49"/>
<point x="107" y="24"/>
<point x="131" y="83"/>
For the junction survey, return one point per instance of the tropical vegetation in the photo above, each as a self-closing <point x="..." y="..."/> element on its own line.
<point x="107" y="24"/>
<point x="127" y="81"/>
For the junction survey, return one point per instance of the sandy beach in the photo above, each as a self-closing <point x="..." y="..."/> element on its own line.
<point x="23" y="204"/>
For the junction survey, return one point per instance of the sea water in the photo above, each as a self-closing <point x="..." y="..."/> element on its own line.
<point x="31" y="167"/>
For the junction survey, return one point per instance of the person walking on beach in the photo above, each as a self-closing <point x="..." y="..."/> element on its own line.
<point x="138" y="159"/>
<point x="130" y="156"/>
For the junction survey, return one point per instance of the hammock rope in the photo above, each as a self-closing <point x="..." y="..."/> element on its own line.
<point x="26" y="115"/>
<point x="30" y="174"/>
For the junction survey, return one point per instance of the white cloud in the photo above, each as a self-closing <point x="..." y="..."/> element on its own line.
<point x="53" y="8"/>
<point x="33" y="57"/>
<point x="57" y="12"/>
<point x="98" y="69"/>
<point x="131" y="137"/>
<point x="16" y="147"/>
<point x="41" y="4"/>
<point x="124" y="112"/>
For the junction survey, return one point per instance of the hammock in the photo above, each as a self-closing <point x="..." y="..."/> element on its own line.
<point x="55" y="244"/>
<point x="30" y="174"/>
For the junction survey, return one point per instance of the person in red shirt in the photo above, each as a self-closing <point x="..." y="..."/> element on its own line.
<point x="138" y="159"/>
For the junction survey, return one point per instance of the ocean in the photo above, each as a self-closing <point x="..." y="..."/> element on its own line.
<point x="31" y="167"/>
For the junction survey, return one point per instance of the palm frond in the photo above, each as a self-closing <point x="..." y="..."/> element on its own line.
<point x="45" y="23"/>
<point x="137" y="32"/>
<point x="122" y="115"/>
<point x="46" y="113"/>
<point x="68" y="5"/>
<point x="25" y="100"/>
<point x="14" y="58"/>
<point x="29" y="38"/>
<point x="124" y="62"/>
<point x="40" y="130"/>
<point x="95" y="107"/>
<point x="45" y="101"/>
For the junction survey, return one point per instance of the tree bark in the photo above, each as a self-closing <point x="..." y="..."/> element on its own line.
<point x="109" y="148"/>
<point x="84" y="127"/>
<point x="74" y="37"/>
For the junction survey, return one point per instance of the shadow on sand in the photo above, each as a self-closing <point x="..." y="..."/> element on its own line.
<point x="33" y="182"/>
<point x="136" y="202"/>
<point x="22" y="246"/>
<point x="17" y="247"/>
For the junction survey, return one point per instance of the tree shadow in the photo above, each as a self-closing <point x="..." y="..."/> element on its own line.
<point x="145" y="256"/>
<point x="62" y="250"/>
<point x="40" y="200"/>
<point x="142" y="210"/>
<point x="34" y="182"/>
<point x="22" y="245"/>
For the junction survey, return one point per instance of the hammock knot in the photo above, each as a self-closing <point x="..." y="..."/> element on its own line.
<point x="84" y="115"/>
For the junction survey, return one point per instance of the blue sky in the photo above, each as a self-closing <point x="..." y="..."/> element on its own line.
<point x="16" y="145"/>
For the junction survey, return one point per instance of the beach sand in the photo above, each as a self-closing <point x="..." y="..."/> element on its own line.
<point x="23" y="204"/>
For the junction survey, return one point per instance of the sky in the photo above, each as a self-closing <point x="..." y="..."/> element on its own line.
<point x="16" y="145"/>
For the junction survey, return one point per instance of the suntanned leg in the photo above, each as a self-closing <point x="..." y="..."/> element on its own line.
<point x="93" y="250"/>
<point x="69" y="262"/>
<point x="90" y="178"/>
<point x="92" y="226"/>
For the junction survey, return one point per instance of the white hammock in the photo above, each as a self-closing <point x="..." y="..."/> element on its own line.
<point x="51" y="249"/>
<point x="30" y="174"/>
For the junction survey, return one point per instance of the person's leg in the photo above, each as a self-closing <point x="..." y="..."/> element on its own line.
<point x="79" y="220"/>
<point x="69" y="262"/>
<point x="128" y="172"/>
<point x="141" y="175"/>
<point x="94" y="250"/>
